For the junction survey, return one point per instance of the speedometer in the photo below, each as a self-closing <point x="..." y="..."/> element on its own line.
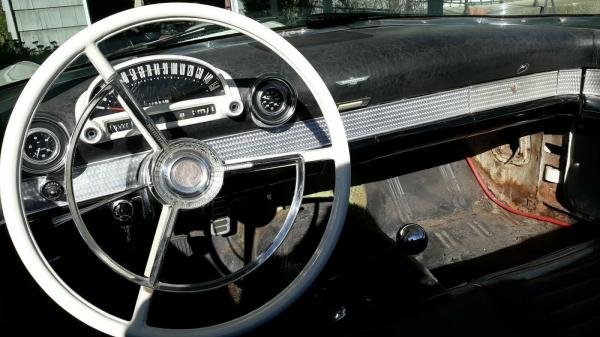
<point x="173" y="90"/>
<point x="155" y="83"/>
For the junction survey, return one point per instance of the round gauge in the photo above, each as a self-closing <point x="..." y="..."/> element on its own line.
<point x="42" y="146"/>
<point x="43" y="150"/>
<point x="273" y="102"/>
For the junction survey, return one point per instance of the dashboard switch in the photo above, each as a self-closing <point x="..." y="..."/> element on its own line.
<point x="52" y="191"/>
<point x="122" y="210"/>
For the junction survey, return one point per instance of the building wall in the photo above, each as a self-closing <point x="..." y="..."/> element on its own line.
<point x="47" y="21"/>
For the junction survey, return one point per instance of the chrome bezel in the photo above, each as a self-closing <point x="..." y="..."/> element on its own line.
<point x="58" y="159"/>
<point x="182" y="148"/>
<point x="55" y="153"/>
<point x="266" y="119"/>
<point x="222" y="102"/>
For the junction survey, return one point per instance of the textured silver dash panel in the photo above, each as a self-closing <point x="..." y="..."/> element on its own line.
<point x="513" y="91"/>
<point x="96" y="180"/>
<point x="359" y="124"/>
<point x="108" y="177"/>
<point x="386" y="118"/>
<point x="404" y="114"/>
<point x="289" y="138"/>
<point x="569" y="82"/>
<point x="591" y="85"/>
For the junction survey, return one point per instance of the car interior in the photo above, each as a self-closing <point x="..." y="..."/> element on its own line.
<point x="296" y="168"/>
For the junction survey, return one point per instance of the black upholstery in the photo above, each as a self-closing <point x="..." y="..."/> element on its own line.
<point x="557" y="295"/>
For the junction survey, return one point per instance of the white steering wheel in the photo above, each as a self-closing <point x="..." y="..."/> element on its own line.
<point x="85" y="42"/>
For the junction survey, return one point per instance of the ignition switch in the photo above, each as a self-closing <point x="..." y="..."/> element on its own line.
<point x="122" y="210"/>
<point x="52" y="191"/>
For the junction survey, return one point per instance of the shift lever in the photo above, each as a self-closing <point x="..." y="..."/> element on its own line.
<point x="412" y="239"/>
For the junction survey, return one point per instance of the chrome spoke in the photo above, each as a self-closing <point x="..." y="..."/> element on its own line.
<point x="160" y="243"/>
<point x="140" y="119"/>
<point x="61" y="219"/>
<point x="319" y="154"/>
<point x="279" y="160"/>
<point x="142" y="306"/>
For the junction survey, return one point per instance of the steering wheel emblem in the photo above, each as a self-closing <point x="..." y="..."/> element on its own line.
<point x="187" y="174"/>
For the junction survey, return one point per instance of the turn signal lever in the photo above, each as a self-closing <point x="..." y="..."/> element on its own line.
<point x="412" y="239"/>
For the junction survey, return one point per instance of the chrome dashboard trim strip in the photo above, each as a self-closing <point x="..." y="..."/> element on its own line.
<point x="117" y="174"/>
<point x="402" y="115"/>
<point x="591" y="85"/>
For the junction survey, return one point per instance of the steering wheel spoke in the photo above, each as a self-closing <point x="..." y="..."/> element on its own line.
<point x="139" y="117"/>
<point x="61" y="219"/>
<point x="184" y="174"/>
<point x="160" y="243"/>
<point x="279" y="160"/>
<point x="142" y="307"/>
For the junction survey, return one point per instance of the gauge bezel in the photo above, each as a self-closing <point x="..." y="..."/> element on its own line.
<point x="55" y="153"/>
<point x="264" y="119"/>
<point x="231" y="95"/>
<point x="60" y="134"/>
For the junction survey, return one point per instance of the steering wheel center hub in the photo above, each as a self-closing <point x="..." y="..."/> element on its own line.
<point x="186" y="175"/>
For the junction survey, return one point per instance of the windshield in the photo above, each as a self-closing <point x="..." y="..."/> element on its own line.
<point x="31" y="30"/>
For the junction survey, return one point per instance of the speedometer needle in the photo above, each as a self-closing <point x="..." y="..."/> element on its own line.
<point x="115" y="108"/>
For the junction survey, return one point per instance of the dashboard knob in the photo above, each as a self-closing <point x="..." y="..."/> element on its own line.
<point x="52" y="190"/>
<point x="122" y="210"/>
<point x="412" y="239"/>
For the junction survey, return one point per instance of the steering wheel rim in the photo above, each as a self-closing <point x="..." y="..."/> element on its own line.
<point x="57" y="62"/>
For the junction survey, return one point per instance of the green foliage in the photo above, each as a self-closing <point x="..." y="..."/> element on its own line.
<point x="13" y="51"/>
<point x="4" y="34"/>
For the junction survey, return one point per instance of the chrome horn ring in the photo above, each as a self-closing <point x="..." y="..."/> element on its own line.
<point x="157" y="174"/>
<point x="86" y="42"/>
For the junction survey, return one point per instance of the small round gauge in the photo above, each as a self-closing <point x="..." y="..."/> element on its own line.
<point x="44" y="150"/>
<point x="42" y="146"/>
<point x="273" y="101"/>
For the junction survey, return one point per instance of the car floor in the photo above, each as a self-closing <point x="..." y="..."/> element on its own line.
<point x="462" y="223"/>
<point x="375" y="284"/>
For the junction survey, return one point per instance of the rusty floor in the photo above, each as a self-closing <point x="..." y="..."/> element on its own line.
<point x="447" y="201"/>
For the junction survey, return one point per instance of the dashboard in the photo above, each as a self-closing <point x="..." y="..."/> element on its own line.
<point x="388" y="77"/>
<point x="173" y="90"/>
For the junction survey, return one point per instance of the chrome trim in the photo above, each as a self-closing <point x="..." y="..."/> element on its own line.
<point x="401" y="115"/>
<point x="513" y="91"/>
<point x="93" y="181"/>
<point x="266" y="119"/>
<point x="222" y="102"/>
<point x="290" y="218"/>
<point x="591" y="84"/>
<point x="99" y="179"/>
<point x="352" y="81"/>
<point x="45" y="118"/>
<point x="54" y="154"/>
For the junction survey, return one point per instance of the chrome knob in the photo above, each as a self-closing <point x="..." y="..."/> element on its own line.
<point x="122" y="210"/>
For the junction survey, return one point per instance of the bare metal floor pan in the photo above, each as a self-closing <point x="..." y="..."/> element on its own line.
<point x="446" y="200"/>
